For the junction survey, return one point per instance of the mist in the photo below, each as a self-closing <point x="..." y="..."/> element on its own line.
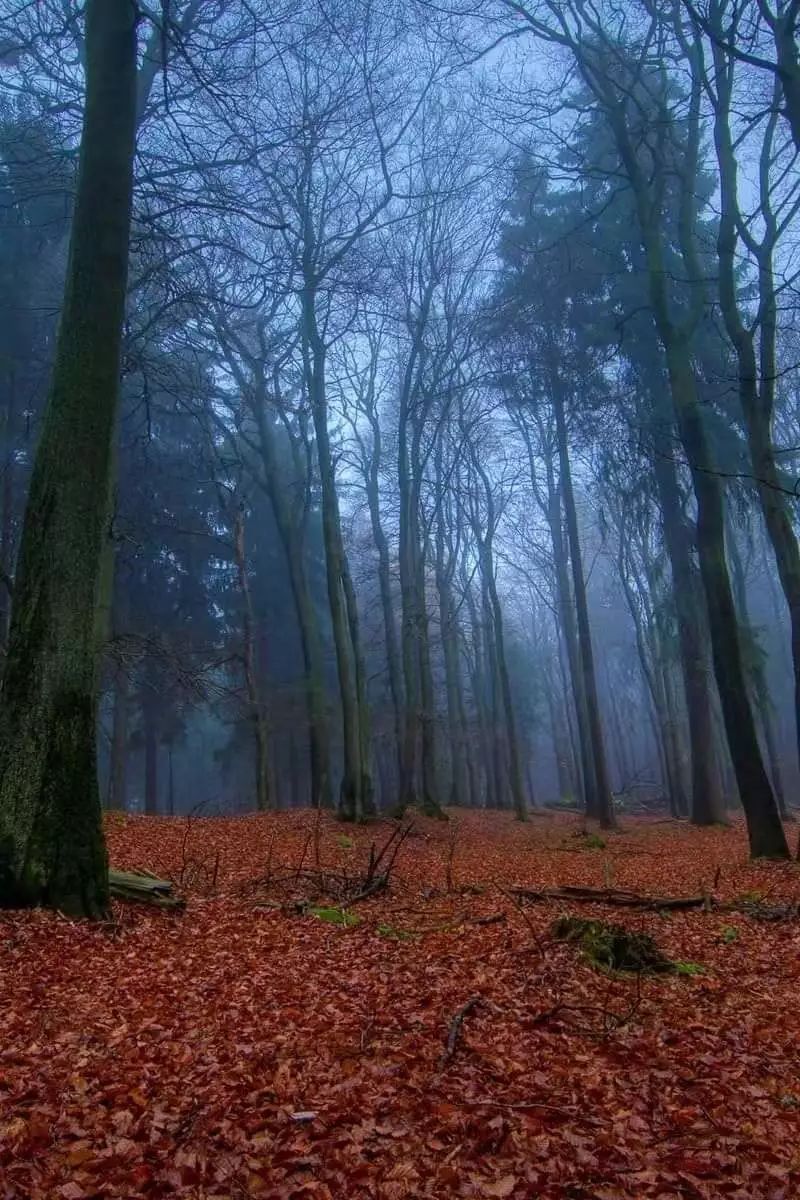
<point x="455" y="459"/>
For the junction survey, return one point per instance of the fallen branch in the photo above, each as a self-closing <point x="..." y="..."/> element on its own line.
<point x="614" y="896"/>
<point x="144" y="888"/>
<point x="455" y="1028"/>
<point x="617" y="898"/>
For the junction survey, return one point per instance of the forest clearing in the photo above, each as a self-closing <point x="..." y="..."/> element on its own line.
<point x="233" y="1049"/>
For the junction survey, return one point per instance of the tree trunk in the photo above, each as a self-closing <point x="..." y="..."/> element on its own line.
<point x="767" y="838"/>
<point x="255" y="704"/>
<point x="559" y="742"/>
<point x="150" y="730"/>
<point x="367" y="809"/>
<point x="569" y="635"/>
<point x="393" y="663"/>
<point x="119" y="742"/>
<point x="495" y="613"/>
<point x="351" y="806"/>
<point x="706" y="802"/>
<point x="758" y="375"/>
<point x="170" y="780"/>
<point x="51" y="839"/>
<point x="307" y="620"/>
<point x="605" y="805"/>
<point x="758" y="678"/>
<point x="7" y="522"/>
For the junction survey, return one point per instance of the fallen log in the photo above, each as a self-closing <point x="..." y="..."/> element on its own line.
<point x="617" y="897"/>
<point x="614" y="896"/>
<point x="144" y="888"/>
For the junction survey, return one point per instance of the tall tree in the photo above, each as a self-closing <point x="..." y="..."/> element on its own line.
<point x="51" y="840"/>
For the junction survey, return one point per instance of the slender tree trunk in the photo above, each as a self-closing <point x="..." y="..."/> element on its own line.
<point x="459" y="789"/>
<point x="559" y="743"/>
<point x="494" y="615"/>
<point x="170" y="780"/>
<point x="758" y="679"/>
<point x="51" y="839"/>
<point x="605" y="806"/>
<point x="307" y="620"/>
<point x="582" y="751"/>
<point x="393" y="662"/>
<point x="150" y="731"/>
<point x="7" y="522"/>
<point x="673" y="743"/>
<point x="578" y="792"/>
<point x="758" y="374"/>
<point x="480" y="691"/>
<point x="367" y="790"/>
<point x="767" y="838"/>
<point x="784" y="29"/>
<point x="256" y="710"/>
<point x="353" y="804"/>
<point x="430" y="775"/>
<point x="706" y="802"/>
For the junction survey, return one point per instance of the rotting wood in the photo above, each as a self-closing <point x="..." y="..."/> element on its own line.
<point x="619" y="898"/>
<point x="144" y="888"/>
<point x="615" y="896"/>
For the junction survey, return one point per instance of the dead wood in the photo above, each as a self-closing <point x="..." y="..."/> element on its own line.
<point x="143" y="888"/>
<point x="757" y="909"/>
<point x="614" y="896"/>
<point x="455" y="1028"/>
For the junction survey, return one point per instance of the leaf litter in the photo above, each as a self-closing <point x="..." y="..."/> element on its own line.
<point x="239" y="1049"/>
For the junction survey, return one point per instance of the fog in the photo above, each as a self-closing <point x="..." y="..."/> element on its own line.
<point x="456" y="457"/>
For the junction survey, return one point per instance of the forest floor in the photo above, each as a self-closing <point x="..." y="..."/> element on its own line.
<point x="237" y="1050"/>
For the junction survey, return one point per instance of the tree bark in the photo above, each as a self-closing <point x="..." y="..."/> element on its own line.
<point x="706" y="801"/>
<point x="767" y="838"/>
<point x="119" y="742"/>
<point x="51" y="840"/>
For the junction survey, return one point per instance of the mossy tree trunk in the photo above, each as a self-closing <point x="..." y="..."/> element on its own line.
<point x="51" y="841"/>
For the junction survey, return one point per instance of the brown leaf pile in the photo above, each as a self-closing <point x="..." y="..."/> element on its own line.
<point x="235" y="1051"/>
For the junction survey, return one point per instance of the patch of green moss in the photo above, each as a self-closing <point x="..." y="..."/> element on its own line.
<point x="688" y="968"/>
<point x="395" y="934"/>
<point x="335" y="916"/>
<point x="611" y="947"/>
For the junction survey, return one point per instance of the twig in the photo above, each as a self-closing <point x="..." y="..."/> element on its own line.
<point x="518" y="906"/>
<point x="528" y="1104"/>
<point x="455" y="1028"/>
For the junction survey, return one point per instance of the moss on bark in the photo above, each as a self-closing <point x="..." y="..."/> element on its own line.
<point x="51" y="840"/>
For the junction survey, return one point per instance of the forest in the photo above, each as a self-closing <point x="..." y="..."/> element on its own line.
<point x="399" y="599"/>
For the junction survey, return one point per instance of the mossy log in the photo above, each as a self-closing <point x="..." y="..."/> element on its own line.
<point x="144" y="888"/>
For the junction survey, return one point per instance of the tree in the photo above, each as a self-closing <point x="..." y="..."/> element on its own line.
<point x="636" y="97"/>
<point x="51" y="841"/>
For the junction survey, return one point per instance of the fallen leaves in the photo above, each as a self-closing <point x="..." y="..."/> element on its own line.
<point x="227" y="1053"/>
